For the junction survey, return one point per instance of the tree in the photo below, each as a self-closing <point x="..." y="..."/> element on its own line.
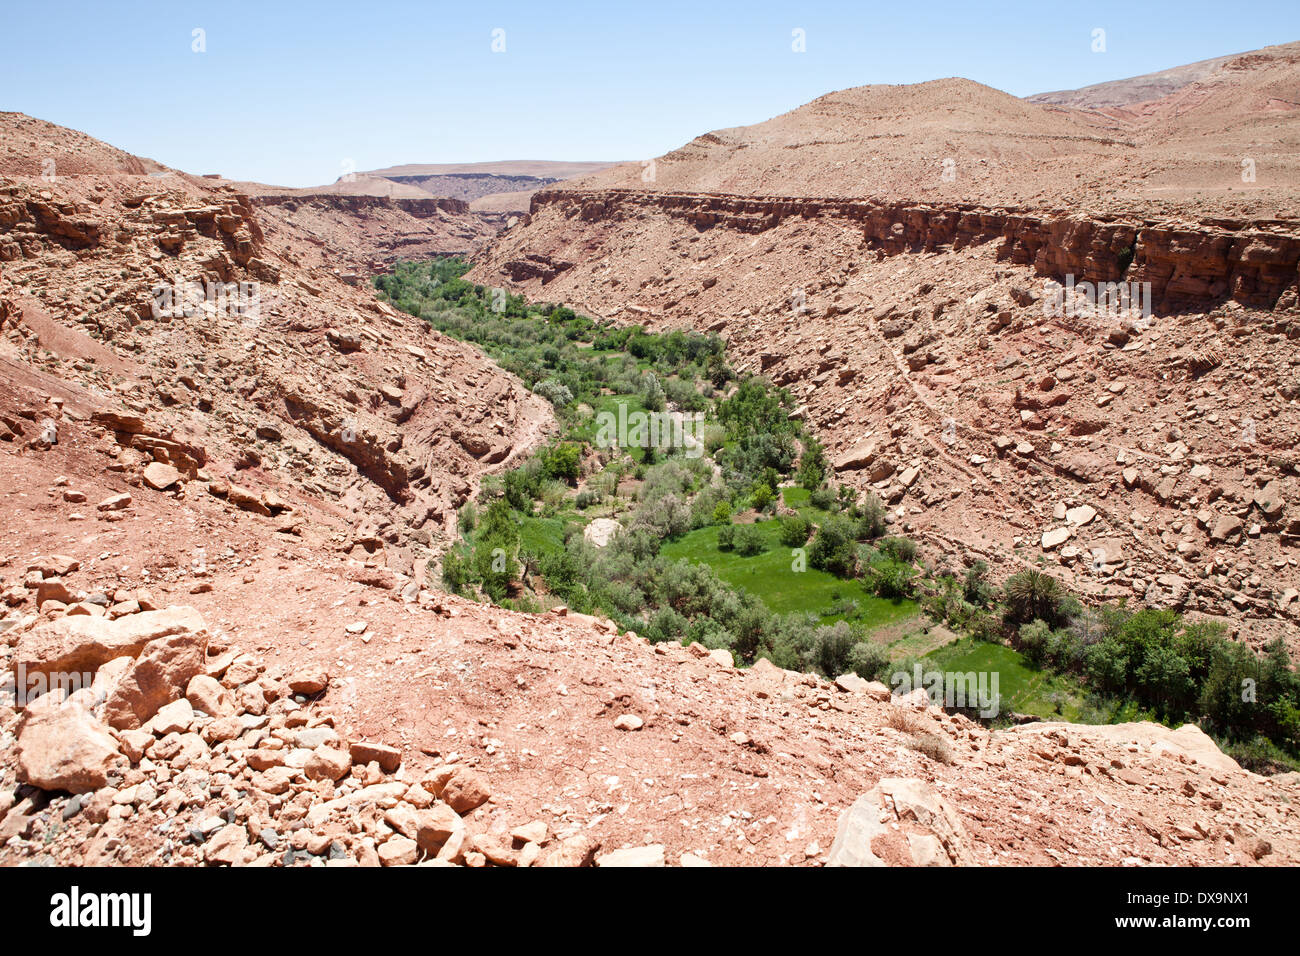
<point x="652" y="392"/>
<point x="871" y="518"/>
<point x="812" y="464"/>
<point x="748" y="540"/>
<point x="794" y="530"/>
<point x="1033" y="595"/>
<point x="833" y="547"/>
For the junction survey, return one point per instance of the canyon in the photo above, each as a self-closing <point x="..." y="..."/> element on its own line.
<point x="229" y="510"/>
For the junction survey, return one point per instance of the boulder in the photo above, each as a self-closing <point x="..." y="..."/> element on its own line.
<point x="62" y="746"/>
<point x="310" y="681"/>
<point x="919" y="828"/>
<point x="160" y="675"/>
<point x="160" y="477"/>
<point x="327" y="763"/>
<point x="435" y="826"/>
<point x="206" y="694"/>
<point x="82" y="644"/>
<point x="652" y="855"/>
<point x="1227" y="527"/>
<point x="577" y="850"/>
<point x="857" y="456"/>
<point x="465" y="790"/>
<point x="388" y="758"/>
<point x="1055" y="537"/>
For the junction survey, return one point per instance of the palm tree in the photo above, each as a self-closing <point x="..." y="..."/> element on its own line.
<point x="1033" y="595"/>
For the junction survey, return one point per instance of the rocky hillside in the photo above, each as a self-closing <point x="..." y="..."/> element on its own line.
<point x="1148" y="458"/>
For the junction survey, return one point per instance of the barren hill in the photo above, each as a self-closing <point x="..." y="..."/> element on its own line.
<point x="1153" y="86"/>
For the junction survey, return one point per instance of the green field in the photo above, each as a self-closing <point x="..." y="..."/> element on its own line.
<point x="1023" y="689"/>
<point x="770" y="577"/>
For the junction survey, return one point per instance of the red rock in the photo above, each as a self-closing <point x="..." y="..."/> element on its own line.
<point x="61" y="746"/>
<point x="465" y="790"/>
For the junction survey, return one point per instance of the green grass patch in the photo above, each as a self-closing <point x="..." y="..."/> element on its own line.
<point x="1023" y="689"/>
<point x="770" y="577"/>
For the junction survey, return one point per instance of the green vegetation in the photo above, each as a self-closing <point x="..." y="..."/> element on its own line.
<point x="734" y="537"/>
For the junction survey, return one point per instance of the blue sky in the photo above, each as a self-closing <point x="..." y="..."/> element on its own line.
<point x="287" y="93"/>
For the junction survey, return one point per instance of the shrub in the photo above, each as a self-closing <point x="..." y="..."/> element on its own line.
<point x="833" y="547"/>
<point x="555" y="392"/>
<point x="822" y="499"/>
<point x="900" y="549"/>
<point x="455" y="572"/>
<point x="794" y="530"/>
<point x="762" y="497"/>
<point x="722" y="513"/>
<point x="652" y="393"/>
<point x="726" y="537"/>
<point x="975" y="586"/>
<point x="892" y="579"/>
<point x="812" y="465"/>
<point x="868" y="660"/>
<point x="563" y="461"/>
<point x="748" y="540"/>
<point x="871" y="518"/>
<point x="467" y="518"/>
<point x="933" y="746"/>
<point x="1031" y="640"/>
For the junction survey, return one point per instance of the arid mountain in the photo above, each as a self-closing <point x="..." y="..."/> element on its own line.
<point x="499" y="187"/>
<point x="1143" y="457"/>
<point x="1153" y="86"/>
<point x="226" y="469"/>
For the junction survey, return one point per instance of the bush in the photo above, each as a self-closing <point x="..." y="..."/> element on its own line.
<point x="975" y="587"/>
<point x="812" y="465"/>
<point x="892" y="579"/>
<point x="1031" y="640"/>
<point x="748" y="540"/>
<point x="868" y="660"/>
<point x="762" y="497"/>
<point x="833" y="547"/>
<point x="900" y="549"/>
<point x="822" y="499"/>
<point x="871" y="518"/>
<point x="563" y="461"/>
<point x="722" y="513"/>
<point x="467" y="518"/>
<point x="933" y="746"/>
<point x="555" y="392"/>
<point x="794" y="530"/>
<point x="652" y="393"/>
<point x="455" y="572"/>
<point x="727" y="537"/>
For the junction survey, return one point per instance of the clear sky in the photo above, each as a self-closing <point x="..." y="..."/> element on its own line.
<point x="286" y="93"/>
